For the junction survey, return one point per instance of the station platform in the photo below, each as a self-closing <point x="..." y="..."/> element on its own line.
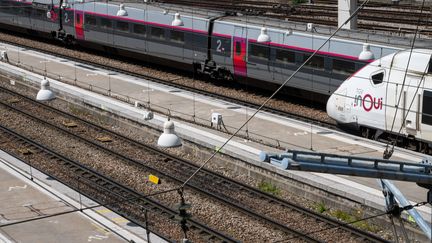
<point x="35" y="208"/>
<point x="264" y="133"/>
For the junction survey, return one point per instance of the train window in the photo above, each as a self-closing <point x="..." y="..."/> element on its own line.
<point x="26" y="11"/>
<point x="315" y="61"/>
<point x="285" y="56"/>
<point x="177" y="36"/>
<point x="122" y="26"/>
<point x="238" y="48"/>
<point x="157" y="33"/>
<point x="262" y="52"/>
<point x="430" y="66"/>
<point x="89" y="20"/>
<point x="78" y="19"/>
<point x="378" y="77"/>
<point x="40" y="14"/>
<point x="427" y="108"/>
<point x="343" y="66"/>
<point x="139" y="29"/>
<point x="105" y="23"/>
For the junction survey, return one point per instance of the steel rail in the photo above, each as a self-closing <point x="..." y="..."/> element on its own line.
<point x="115" y="189"/>
<point x="183" y="168"/>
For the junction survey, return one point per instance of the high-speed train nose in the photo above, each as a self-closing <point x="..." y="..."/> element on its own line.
<point x="331" y="107"/>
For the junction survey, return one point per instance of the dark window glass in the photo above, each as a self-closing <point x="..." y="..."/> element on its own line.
<point x="78" y="19"/>
<point x="285" y="56"/>
<point x="430" y="66"/>
<point x="261" y="52"/>
<point x="378" y="78"/>
<point x="177" y="36"/>
<point x="90" y="20"/>
<point x="221" y="46"/>
<point x="315" y="61"/>
<point x="345" y="67"/>
<point x="238" y="48"/>
<point x="105" y="23"/>
<point x="427" y="108"/>
<point x="139" y="29"/>
<point x="157" y="33"/>
<point x="123" y="26"/>
<point x="27" y="11"/>
<point x="41" y="14"/>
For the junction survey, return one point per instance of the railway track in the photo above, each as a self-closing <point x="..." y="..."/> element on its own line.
<point x="239" y="196"/>
<point x="100" y="188"/>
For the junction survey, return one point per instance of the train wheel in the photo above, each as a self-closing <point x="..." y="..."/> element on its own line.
<point x="365" y="132"/>
<point x="424" y="148"/>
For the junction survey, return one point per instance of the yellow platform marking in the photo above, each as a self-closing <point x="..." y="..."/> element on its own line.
<point x="119" y="220"/>
<point x="104" y="210"/>
<point x="154" y="179"/>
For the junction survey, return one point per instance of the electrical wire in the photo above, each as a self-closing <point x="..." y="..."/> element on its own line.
<point x="398" y="209"/>
<point x="275" y="92"/>
<point x="388" y="153"/>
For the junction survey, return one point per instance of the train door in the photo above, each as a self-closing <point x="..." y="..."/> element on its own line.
<point x="239" y="52"/>
<point x="79" y="22"/>
<point x="410" y="100"/>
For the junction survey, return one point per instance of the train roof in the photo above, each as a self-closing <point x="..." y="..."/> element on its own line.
<point x="157" y="7"/>
<point x="417" y="58"/>
<point x="285" y="25"/>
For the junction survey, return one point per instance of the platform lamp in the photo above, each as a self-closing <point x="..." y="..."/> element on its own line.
<point x="45" y="93"/>
<point x="366" y="54"/>
<point x="169" y="139"/>
<point x="122" y="11"/>
<point x="263" y="37"/>
<point x="177" y="20"/>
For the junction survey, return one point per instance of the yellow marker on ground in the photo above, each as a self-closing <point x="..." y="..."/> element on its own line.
<point x="103" y="210"/>
<point x="154" y="179"/>
<point x="120" y="220"/>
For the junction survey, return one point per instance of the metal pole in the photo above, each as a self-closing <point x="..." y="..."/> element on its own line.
<point x="147" y="225"/>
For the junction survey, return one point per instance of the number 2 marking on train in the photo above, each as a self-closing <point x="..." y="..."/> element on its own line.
<point x="219" y="45"/>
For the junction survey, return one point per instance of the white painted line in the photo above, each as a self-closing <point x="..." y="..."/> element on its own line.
<point x="4" y="239"/>
<point x="54" y="194"/>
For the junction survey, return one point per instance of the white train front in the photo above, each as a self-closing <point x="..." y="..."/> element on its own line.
<point x="389" y="95"/>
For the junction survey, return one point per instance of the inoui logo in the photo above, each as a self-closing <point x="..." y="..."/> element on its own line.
<point x="368" y="102"/>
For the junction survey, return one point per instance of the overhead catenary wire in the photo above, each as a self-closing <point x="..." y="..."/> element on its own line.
<point x="276" y="92"/>
<point x="388" y="152"/>
<point x="397" y="209"/>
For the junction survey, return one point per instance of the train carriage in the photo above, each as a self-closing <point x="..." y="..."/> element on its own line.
<point x="259" y="51"/>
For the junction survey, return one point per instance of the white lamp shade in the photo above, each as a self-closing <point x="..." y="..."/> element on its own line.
<point x="177" y="20"/>
<point x="45" y="92"/>
<point x="168" y="139"/>
<point x="263" y="37"/>
<point x="122" y="11"/>
<point x="366" y="54"/>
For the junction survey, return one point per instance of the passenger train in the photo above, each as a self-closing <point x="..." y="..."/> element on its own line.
<point x="389" y="96"/>
<point x="260" y="51"/>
